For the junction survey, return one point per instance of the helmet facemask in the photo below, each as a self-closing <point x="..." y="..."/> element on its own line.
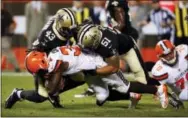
<point x="91" y="38"/>
<point x="65" y="22"/>
<point x="166" y="51"/>
<point x="170" y="58"/>
<point x="64" y="31"/>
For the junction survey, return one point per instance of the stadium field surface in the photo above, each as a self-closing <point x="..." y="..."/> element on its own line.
<point x="147" y="106"/>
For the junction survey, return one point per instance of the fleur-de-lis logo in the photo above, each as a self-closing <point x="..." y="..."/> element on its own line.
<point x="60" y="17"/>
<point x="115" y="3"/>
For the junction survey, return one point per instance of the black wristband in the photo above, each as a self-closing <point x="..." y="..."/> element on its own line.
<point x="90" y="72"/>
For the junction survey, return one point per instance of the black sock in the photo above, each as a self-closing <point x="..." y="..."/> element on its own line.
<point x="115" y="95"/>
<point x="70" y="84"/>
<point x="152" y="81"/>
<point x="32" y="95"/>
<point x="137" y="87"/>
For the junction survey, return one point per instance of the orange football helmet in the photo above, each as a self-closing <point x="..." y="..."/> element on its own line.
<point x="35" y="61"/>
<point x="166" y="52"/>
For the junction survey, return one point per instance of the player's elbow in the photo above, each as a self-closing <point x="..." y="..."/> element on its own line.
<point x="115" y="68"/>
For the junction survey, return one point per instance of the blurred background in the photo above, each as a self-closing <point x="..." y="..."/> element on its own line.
<point x="28" y="18"/>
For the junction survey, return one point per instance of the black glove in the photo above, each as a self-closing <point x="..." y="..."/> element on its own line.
<point x="55" y="101"/>
<point x="177" y="104"/>
<point x="90" y="72"/>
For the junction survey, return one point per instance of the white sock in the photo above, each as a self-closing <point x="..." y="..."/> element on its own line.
<point x="131" y="94"/>
<point x="19" y="94"/>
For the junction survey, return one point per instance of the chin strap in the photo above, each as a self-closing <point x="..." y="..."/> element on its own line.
<point x="172" y="61"/>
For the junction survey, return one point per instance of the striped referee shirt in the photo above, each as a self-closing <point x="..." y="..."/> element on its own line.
<point x="161" y="15"/>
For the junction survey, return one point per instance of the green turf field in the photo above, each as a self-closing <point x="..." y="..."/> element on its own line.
<point x="80" y="107"/>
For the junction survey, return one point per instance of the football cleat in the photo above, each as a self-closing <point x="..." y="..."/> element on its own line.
<point x="12" y="99"/>
<point x="88" y="92"/>
<point x="134" y="97"/>
<point x="55" y="101"/>
<point x="163" y="96"/>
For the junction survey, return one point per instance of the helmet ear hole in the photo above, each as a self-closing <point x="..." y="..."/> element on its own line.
<point x="43" y="61"/>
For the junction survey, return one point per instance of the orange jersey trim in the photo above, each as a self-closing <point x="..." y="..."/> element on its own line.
<point x="57" y="65"/>
<point x="161" y="77"/>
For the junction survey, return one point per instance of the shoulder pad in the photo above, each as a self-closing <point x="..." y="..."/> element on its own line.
<point x="158" y="71"/>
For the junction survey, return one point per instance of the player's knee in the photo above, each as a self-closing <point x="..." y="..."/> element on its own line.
<point x="183" y="96"/>
<point x="140" y="76"/>
<point x="123" y="88"/>
<point x="101" y="98"/>
<point x="40" y="99"/>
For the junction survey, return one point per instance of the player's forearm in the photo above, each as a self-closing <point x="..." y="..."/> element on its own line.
<point x="107" y="70"/>
<point x="54" y="83"/>
<point x="112" y="66"/>
<point x="55" y="80"/>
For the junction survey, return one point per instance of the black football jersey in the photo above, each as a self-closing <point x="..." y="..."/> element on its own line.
<point x="113" y="43"/>
<point x="49" y="38"/>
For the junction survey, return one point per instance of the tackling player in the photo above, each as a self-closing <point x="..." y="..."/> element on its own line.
<point x="69" y="60"/>
<point x="172" y="68"/>
<point x="56" y="32"/>
<point x="112" y="45"/>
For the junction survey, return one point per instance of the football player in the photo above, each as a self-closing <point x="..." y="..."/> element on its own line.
<point x="172" y="67"/>
<point x="119" y="11"/>
<point x="64" y="61"/>
<point x="69" y="60"/>
<point x="56" y="32"/>
<point x="112" y="45"/>
<point x="119" y="17"/>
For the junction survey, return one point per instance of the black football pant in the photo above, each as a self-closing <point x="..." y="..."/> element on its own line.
<point x="146" y="67"/>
